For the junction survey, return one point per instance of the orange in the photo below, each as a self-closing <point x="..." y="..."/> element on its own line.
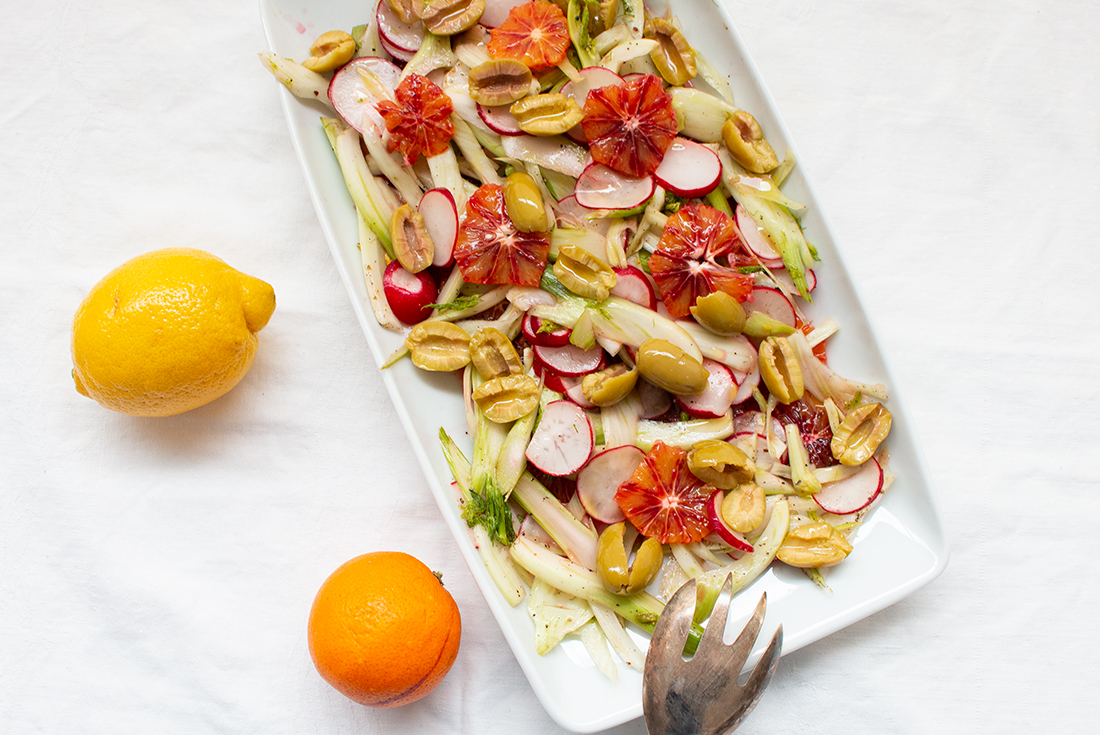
<point x="167" y="331"/>
<point x="535" y="33"/>
<point x="383" y="630"/>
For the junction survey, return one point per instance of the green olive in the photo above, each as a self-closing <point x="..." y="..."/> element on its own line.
<point x="450" y="17"/>
<point x="780" y="370"/>
<point x="547" y="114"/>
<point x="720" y="313"/>
<point x="746" y="143"/>
<point x="667" y="366"/>
<point x="720" y="464"/>
<point x="523" y="201"/>
<point x="859" y="434"/>
<point x="499" y="82"/>
<point x="743" y="509"/>
<point x="673" y="56"/>
<point x="612" y="561"/>
<point x="493" y="354"/>
<point x="330" y="51"/>
<point x="609" y="386"/>
<point x="759" y="325"/>
<point x="583" y="273"/>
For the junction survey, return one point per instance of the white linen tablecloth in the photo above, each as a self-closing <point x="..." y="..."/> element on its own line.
<point x="156" y="574"/>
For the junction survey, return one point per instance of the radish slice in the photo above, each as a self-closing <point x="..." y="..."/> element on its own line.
<point x="410" y="295"/>
<point x="353" y="100"/>
<point x="533" y="331"/>
<point x="634" y="286"/>
<point x="598" y="481"/>
<point x="395" y="32"/>
<point x="496" y="11"/>
<point x="655" y="401"/>
<point x="569" y="360"/>
<point x="398" y="53"/>
<point x="550" y="379"/>
<point x="602" y="187"/>
<point x="440" y="214"/>
<point x="500" y="119"/>
<point x="714" y="400"/>
<point x="756" y="240"/>
<point x="574" y="393"/>
<point x="688" y="168"/>
<point x="746" y="386"/>
<point x="785" y="278"/>
<point x="719" y="526"/>
<point x="773" y="303"/>
<point x="854" y="492"/>
<point x="563" y="440"/>
<point x="592" y="77"/>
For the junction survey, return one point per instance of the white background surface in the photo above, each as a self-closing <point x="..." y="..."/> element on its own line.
<point x="156" y="574"/>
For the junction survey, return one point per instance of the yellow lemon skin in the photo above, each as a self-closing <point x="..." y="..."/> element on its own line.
<point x="168" y="331"/>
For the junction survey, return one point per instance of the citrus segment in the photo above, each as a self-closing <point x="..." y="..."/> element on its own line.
<point x="664" y="500"/>
<point x="535" y="33"/>
<point x="490" y="249"/>
<point x="629" y="126"/>
<point x="167" y="331"/>
<point x="419" y="120"/>
<point x="693" y="256"/>
<point x="383" y="631"/>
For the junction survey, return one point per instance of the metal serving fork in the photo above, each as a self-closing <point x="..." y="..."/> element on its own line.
<point x="701" y="696"/>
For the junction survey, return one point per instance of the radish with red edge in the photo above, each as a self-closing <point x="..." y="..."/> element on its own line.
<point x="771" y="302"/>
<point x="574" y="392"/>
<point x="440" y="214"/>
<point x="689" y="169"/>
<point x="853" y="493"/>
<point x="563" y="440"/>
<point x="500" y="119"/>
<point x="392" y="31"/>
<point x="410" y="295"/>
<point x="719" y="525"/>
<point x="398" y="53"/>
<point x="632" y="285"/>
<point x="569" y="360"/>
<point x="354" y="101"/>
<point x="600" y="478"/>
<point x="536" y="333"/>
<point x="602" y="187"/>
<point x="756" y="240"/>
<point x="714" y="400"/>
<point x="785" y="278"/>
<point x="745" y="388"/>
<point x="655" y="401"/>
<point x="550" y="379"/>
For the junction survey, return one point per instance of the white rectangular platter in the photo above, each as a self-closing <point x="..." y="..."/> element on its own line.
<point x="901" y="547"/>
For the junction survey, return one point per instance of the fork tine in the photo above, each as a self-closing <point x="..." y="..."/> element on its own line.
<point x="671" y="630"/>
<point x="766" y="666"/>
<point x="716" y="625"/>
<point x="747" y="638"/>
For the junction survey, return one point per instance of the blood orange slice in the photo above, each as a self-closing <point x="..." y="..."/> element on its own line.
<point x="491" y="250"/>
<point x="420" y="119"/>
<point x="813" y="424"/>
<point x="692" y="259"/>
<point x="629" y="126"/>
<point x="535" y="33"/>
<point x="664" y="500"/>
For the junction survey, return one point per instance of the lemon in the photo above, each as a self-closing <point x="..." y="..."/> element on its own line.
<point x="168" y="331"/>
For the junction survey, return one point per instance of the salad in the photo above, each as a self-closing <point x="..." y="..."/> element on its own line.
<point x="562" y="204"/>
